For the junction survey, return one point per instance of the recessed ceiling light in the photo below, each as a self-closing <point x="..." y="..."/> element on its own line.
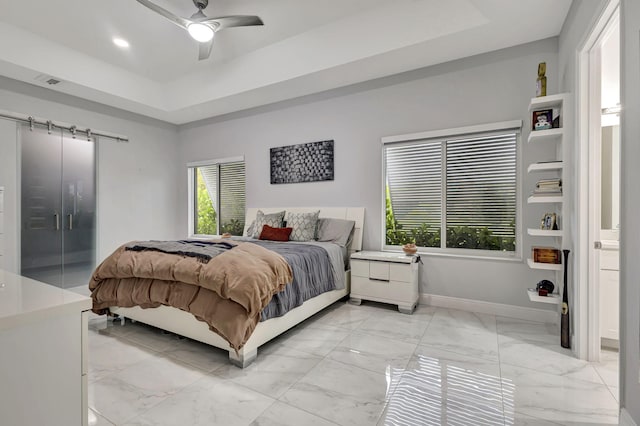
<point x="120" y="42"/>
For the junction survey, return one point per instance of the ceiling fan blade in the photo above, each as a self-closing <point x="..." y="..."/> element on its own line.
<point x="181" y="22"/>
<point x="223" y="22"/>
<point x="205" y="50"/>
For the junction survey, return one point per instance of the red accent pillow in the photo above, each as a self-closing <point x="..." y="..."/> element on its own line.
<point x="275" y="234"/>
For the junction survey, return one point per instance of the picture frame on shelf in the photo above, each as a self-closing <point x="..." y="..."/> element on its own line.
<point x="555" y="123"/>
<point x="546" y="255"/>
<point x="542" y="119"/>
<point x="549" y="222"/>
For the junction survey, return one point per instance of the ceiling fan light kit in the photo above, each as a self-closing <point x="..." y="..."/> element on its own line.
<point x="200" y="32"/>
<point x="200" y="27"/>
<point x="120" y="42"/>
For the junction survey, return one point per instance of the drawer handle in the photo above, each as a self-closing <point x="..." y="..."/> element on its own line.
<point x="378" y="279"/>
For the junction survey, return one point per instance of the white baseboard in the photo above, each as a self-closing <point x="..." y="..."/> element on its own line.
<point x="499" y="309"/>
<point x="625" y="419"/>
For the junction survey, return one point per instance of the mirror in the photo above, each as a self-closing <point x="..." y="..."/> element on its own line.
<point x="610" y="185"/>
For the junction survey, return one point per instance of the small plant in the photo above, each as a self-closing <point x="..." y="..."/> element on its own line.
<point x="478" y="238"/>
<point x="465" y="237"/>
<point x="233" y="227"/>
<point x="426" y="236"/>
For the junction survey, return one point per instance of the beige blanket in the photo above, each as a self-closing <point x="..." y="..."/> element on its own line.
<point x="228" y="292"/>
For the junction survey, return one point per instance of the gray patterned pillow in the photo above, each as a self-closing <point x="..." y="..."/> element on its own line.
<point x="249" y="231"/>
<point x="273" y="219"/>
<point x="303" y="224"/>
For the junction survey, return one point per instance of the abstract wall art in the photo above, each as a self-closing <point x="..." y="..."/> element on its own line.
<point x="307" y="162"/>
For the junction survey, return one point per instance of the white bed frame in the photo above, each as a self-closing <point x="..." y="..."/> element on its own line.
<point x="185" y="324"/>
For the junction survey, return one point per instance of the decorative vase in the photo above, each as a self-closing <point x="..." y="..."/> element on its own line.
<point x="410" y="249"/>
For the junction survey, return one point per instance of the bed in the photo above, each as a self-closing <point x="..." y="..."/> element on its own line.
<point x="185" y="324"/>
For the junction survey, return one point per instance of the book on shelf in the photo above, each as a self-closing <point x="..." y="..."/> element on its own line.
<point x="548" y="189"/>
<point x="548" y="186"/>
<point x="546" y="193"/>
<point x="550" y="162"/>
<point x="549" y="182"/>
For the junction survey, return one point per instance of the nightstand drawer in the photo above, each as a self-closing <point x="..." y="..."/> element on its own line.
<point x="379" y="271"/>
<point x="383" y="271"/>
<point x="371" y="269"/>
<point x="401" y="272"/>
<point x="359" y="268"/>
<point x="389" y="291"/>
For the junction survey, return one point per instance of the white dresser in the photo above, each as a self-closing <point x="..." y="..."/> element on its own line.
<point x="43" y="353"/>
<point x="385" y="277"/>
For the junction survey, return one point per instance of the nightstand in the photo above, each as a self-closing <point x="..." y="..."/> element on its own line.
<point x="385" y="277"/>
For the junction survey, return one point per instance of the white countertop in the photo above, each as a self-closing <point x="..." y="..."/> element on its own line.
<point x="23" y="300"/>
<point x="384" y="256"/>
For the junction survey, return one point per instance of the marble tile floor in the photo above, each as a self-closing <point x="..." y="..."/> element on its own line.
<point x="353" y="365"/>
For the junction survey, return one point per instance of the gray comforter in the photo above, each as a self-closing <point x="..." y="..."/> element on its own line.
<point x="317" y="267"/>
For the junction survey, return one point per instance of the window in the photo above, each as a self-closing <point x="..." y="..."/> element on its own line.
<point x="461" y="187"/>
<point x="217" y="197"/>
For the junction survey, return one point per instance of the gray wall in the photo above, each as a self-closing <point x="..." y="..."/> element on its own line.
<point x="482" y="89"/>
<point x="137" y="181"/>
<point x="581" y="19"/>
<point x="8" y="179"/>
<point x="630" y="208"/>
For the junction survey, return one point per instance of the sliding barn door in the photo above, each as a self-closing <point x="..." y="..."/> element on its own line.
<point x="41" y="205"/>
<point x="58" y="206"/>
<point x="79" y="209"/>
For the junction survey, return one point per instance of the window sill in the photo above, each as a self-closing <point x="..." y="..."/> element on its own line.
<point x="515" y="258"/>
<point x="204" y="237"/>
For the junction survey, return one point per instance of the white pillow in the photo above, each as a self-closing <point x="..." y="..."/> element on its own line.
<point x="338" y="231"/>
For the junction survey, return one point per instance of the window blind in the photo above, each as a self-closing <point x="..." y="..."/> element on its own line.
<point x="463" y="186"/>
<point x="414" y="179"/>
<point x="221" y="207"/>
<point x="210" y="176"/>
<point x="481" y="183"/>
<point x="232" y="194"/>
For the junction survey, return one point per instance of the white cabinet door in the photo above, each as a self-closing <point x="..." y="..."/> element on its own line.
<point x="609" y="300"/>
<point x="609" y="294"/>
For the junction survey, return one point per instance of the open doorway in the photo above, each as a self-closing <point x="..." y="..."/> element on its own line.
<point x="607" y="246"/>
<point x="599" y="177"/>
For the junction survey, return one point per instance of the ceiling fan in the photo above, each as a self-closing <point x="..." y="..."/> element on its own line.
<point x="202" y="28"/>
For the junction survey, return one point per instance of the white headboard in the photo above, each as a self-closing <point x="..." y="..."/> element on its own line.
<point x="350" y="213"/>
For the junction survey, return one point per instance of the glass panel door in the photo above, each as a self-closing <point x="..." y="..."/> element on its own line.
<point x="41" y="205"/>
<point x="79" y="209"/>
